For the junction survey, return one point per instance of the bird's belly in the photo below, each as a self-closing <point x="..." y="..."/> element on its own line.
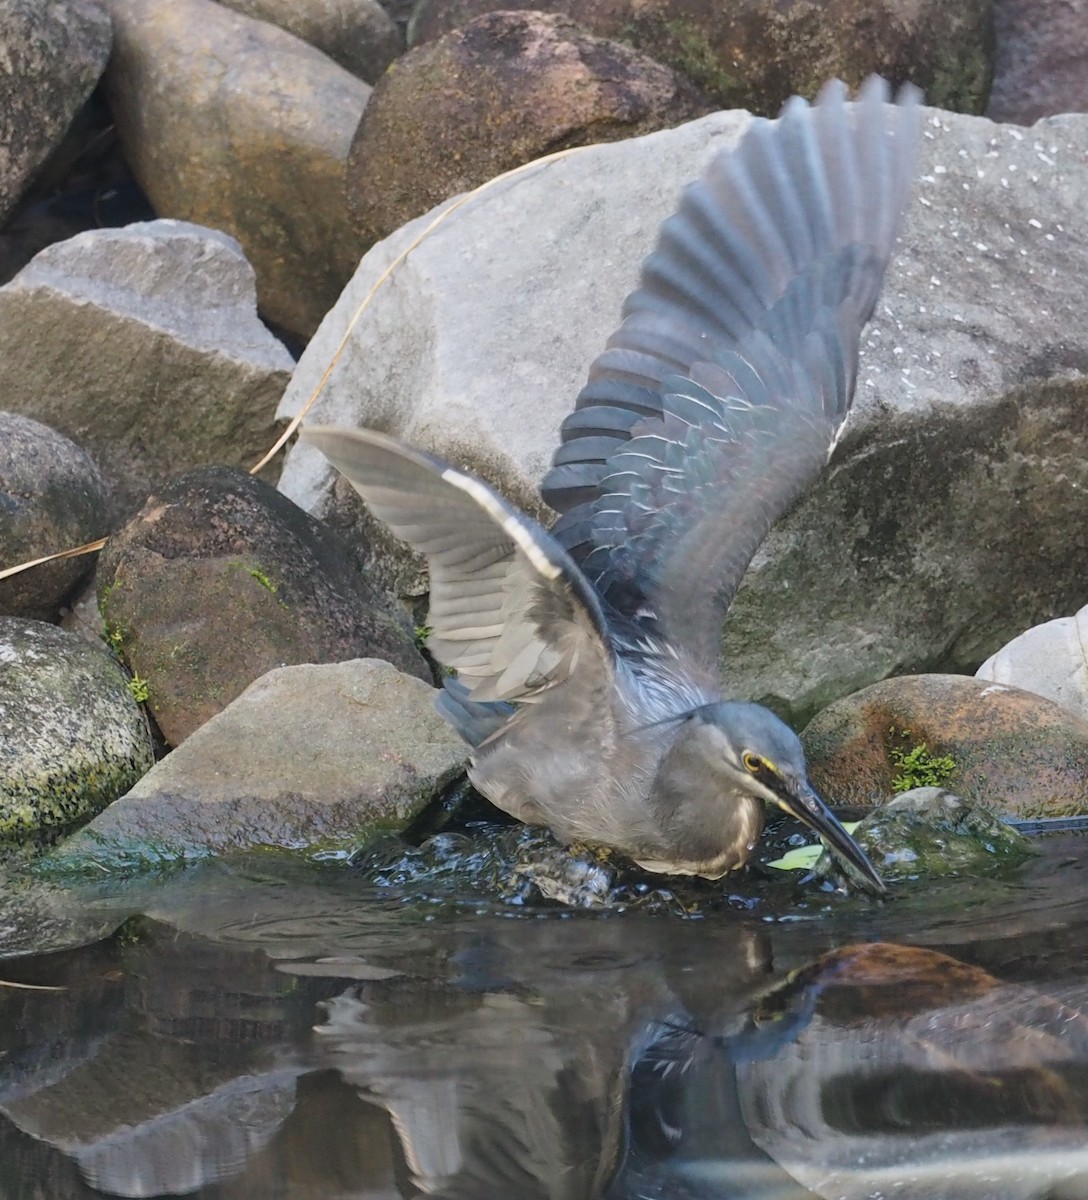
<point x="576" y="796"/>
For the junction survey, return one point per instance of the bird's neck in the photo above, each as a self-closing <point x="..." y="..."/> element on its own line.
<point x="708" y="823"/>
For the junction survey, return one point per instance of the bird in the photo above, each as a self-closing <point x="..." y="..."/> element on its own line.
<point x="583" y="660"/>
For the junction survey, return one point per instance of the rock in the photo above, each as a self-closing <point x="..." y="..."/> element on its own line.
<point x="955" y="511"/>
<point x="506" y="89"/>
<point x="143" y="345"/>
<point x="53" y="55"/>
<point x="235" y="124"/>
<point x="358" y="34"/>
<point x="884" y="1070"/>
<point x="72" y="738"/>
<point x="85" y="184"/>
<point x="1011" y="752"/>
<point x="755" y="54"/>
<point x="1041" y="60"/>
<point x="1050" y="660"/>
<point x="218" y="580"/>
<point x="307" y="756"/>
<point x="930" y="832"/>
<point x="51" y="498"/>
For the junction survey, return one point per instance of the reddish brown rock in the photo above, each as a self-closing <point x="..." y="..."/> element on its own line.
<point x="508" y="88"/>
<point x="754" y="54"/>
<point x="1014" y="752"/>
<point x="899" y="1064"/>
<point x="220" y="579"/>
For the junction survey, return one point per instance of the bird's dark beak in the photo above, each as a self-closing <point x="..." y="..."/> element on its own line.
<point x="801" y="801"/>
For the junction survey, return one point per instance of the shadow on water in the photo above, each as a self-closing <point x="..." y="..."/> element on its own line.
<point x="261" y="1030"/>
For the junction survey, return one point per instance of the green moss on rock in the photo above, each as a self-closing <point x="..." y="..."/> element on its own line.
<point x="72" y="737"/>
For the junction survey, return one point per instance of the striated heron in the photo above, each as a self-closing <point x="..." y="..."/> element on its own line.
<point x="586" y="657"/>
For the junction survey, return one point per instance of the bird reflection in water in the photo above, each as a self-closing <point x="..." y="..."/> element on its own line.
<point x="875" y="1071"/>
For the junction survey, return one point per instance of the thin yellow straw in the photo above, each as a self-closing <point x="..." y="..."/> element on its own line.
<point x="74" y="552"/>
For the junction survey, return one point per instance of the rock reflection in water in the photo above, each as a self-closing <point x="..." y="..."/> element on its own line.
<point x="171" y="1067"/>
<point x="913" y="1075"/>
<point x="547" y="1057"/>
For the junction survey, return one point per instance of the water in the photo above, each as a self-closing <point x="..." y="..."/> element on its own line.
<point x="270" y="1031"/>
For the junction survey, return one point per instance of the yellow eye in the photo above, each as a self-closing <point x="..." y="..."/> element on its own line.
<point x="753" y="763"/>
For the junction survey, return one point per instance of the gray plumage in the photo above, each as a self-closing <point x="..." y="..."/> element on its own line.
<point x="586" y="658"/>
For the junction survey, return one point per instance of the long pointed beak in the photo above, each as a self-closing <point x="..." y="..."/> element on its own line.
<point x="802" y="802"/>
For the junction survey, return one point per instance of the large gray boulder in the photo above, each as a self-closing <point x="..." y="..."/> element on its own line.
<point x="952" y="514"/>
<point x="307" y="756"/>
<point x="72" y="738"/>
<point x="143" y="345"/>
<point x="51" y="56"/>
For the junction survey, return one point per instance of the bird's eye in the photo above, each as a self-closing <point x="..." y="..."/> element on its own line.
<point x="753" y="763"/>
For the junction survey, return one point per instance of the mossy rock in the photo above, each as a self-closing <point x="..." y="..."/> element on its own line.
<point x="72" y="738"/>
<point x="754" y="54"/>
<point x="999" y="747"/>
<point x="928" y="832"/>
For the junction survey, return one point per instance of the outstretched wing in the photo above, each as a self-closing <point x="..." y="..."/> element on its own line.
<point x="509" y="611"/>
<point x="719" y="398"/>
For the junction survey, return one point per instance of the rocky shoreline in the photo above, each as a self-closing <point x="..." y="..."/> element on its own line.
<point x="259" y="635"/>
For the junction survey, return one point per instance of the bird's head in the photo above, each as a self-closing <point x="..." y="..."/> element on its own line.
<point x="744" y="752"/>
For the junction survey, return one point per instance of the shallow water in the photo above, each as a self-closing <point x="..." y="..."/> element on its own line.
<point x="277" y="1032"/>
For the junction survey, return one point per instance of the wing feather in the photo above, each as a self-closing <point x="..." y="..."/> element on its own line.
<point x="509" y="611"/>
<point x="729" y="379"/>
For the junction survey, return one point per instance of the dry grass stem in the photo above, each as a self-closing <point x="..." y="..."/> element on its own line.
<point x="93" y="547"/>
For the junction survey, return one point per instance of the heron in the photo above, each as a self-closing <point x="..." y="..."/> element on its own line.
<point x="583" y="659"/>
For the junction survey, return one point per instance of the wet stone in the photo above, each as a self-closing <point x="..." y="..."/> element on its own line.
<point x="928" y="831"/>
<point x="314" y="758"/>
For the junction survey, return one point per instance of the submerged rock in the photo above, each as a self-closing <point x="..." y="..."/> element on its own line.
<point x="512" y="863"/>
<point x="308" y="757"/>
<point x="72" y="738"/>
<point x="928" y="831"/>
<point x="1006" y="750"/>
<point x="885" y="1070"/>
